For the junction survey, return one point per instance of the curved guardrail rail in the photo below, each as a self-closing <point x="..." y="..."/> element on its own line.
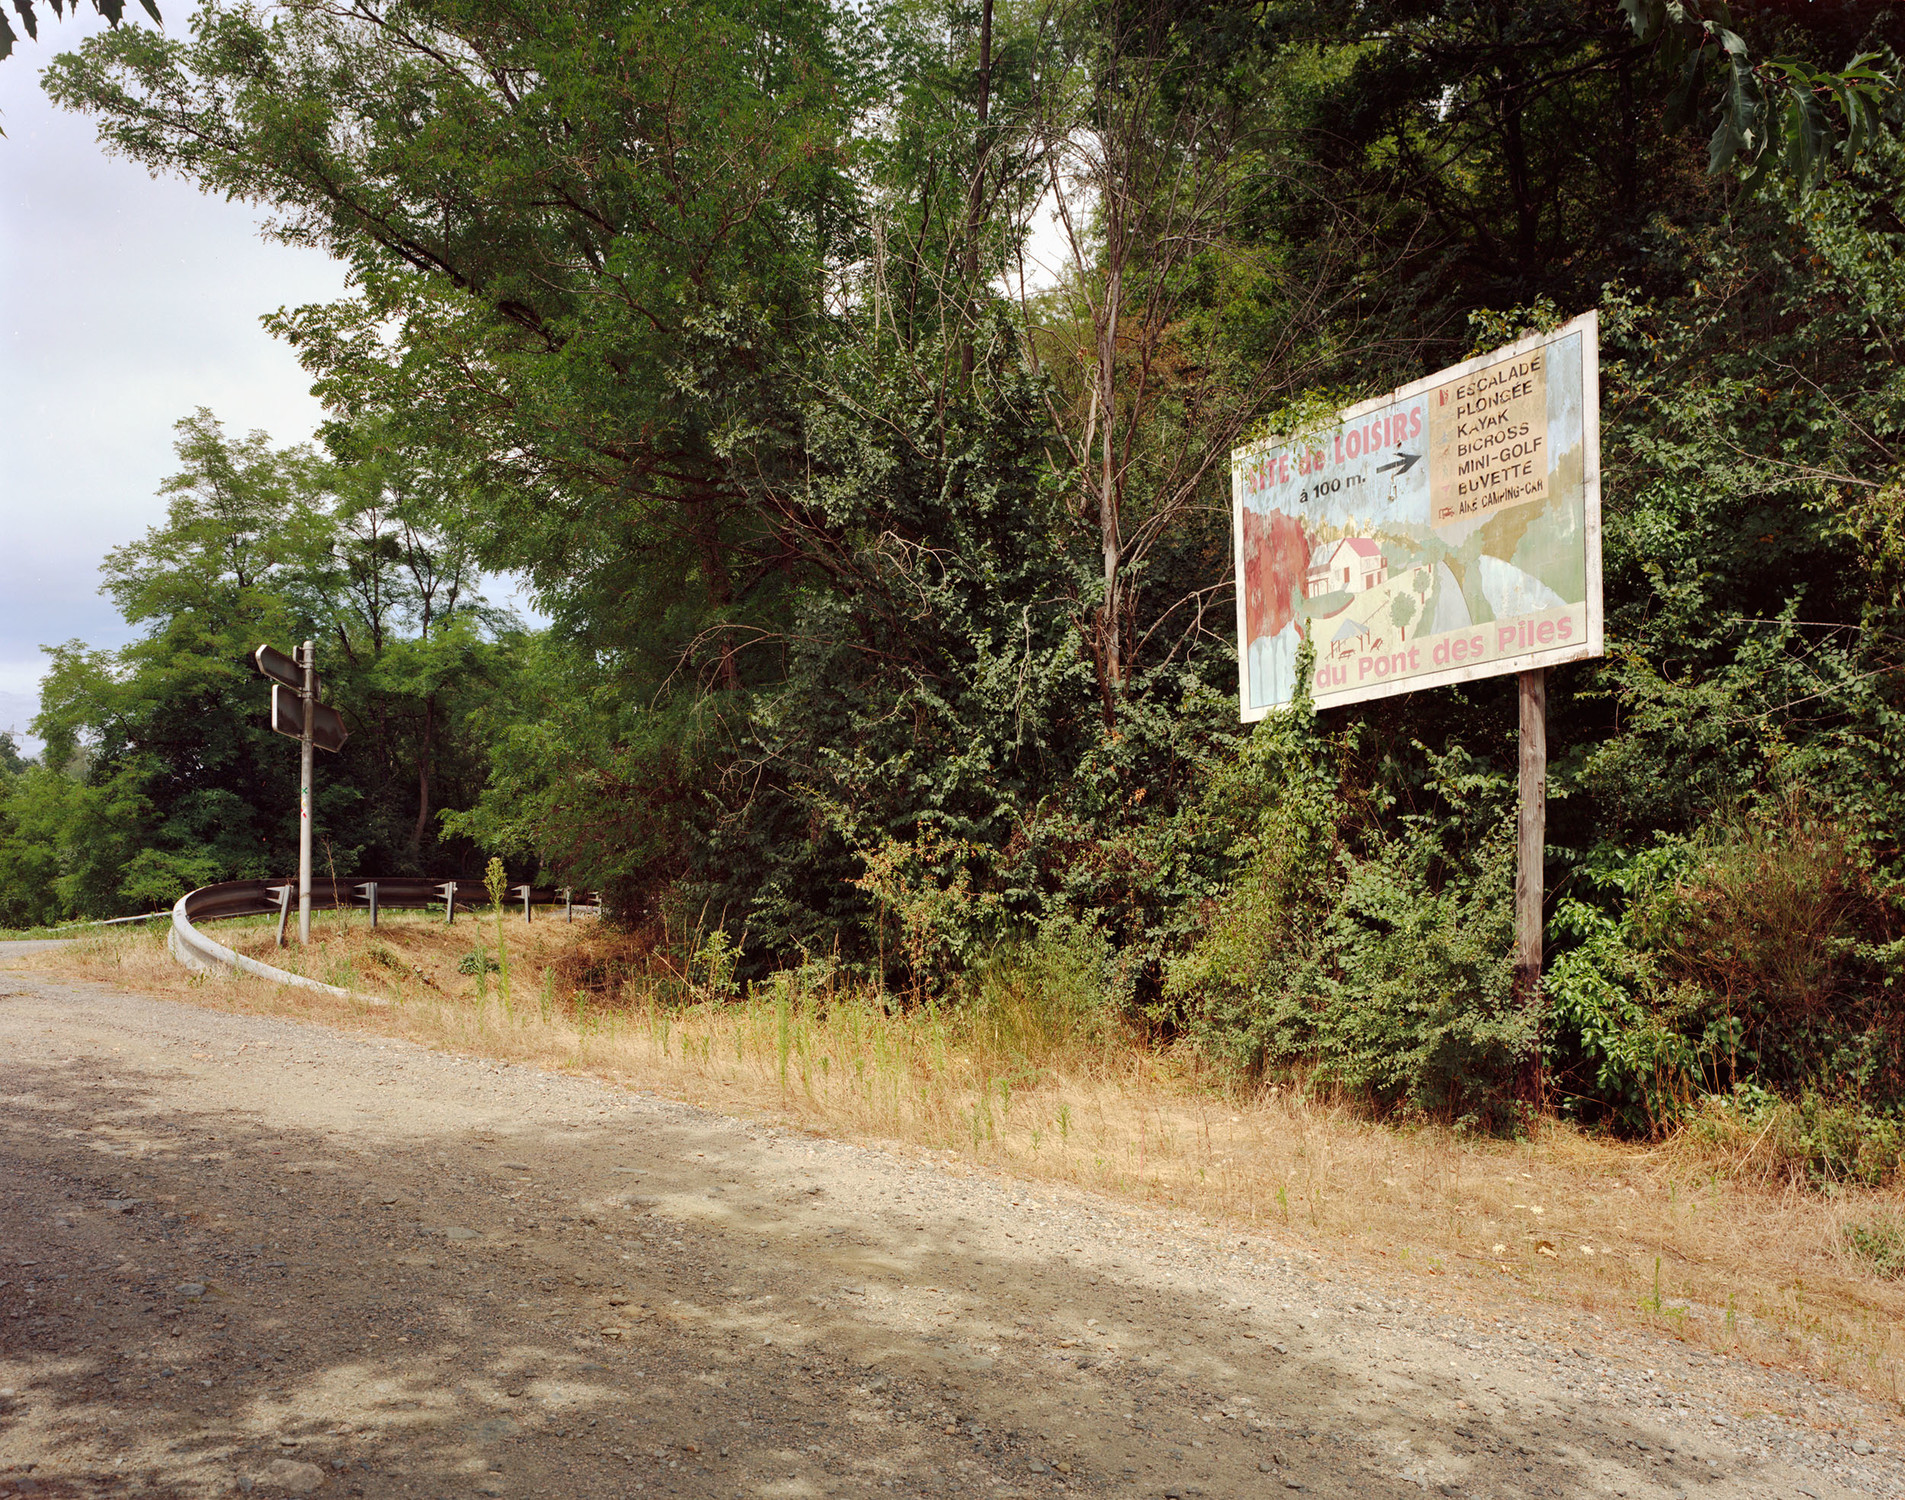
<point x="260" y="898"/>
<point x="197" y="951"/>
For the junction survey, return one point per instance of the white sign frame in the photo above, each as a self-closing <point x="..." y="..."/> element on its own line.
<point x="1587" y="327"/>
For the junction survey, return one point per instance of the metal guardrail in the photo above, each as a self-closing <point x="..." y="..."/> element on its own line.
<point x="197" y="951"/>
<point x="263" y="898"/>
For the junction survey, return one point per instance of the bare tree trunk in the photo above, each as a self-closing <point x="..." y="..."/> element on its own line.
<point x="1141" y="168"/>
<point x="975" y="191"/>
<point x="423" y="780"/>
<point x="1110" y="485"/>
<point x="719" y="583"/>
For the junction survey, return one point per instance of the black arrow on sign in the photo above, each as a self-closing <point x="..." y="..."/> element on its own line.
<point x="1403" y="461"/>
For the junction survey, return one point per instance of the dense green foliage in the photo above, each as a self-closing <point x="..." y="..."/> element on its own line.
<point x="161" y="771"/>
<point x="889" y="597"/>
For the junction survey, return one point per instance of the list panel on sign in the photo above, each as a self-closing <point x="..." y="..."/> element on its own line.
<point x="1488" y="438"/>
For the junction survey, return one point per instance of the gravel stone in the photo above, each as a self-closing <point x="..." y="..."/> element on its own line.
<point x="294" y="1475"/>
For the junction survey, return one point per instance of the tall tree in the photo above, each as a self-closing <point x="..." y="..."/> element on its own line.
<point x="406" y="616"/>
<point x="1149" y="132"/>
<point x="161" y="771"/>
<point x="599" y="230"/>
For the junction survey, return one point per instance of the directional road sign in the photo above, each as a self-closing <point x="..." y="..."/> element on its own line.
<point x="279" y="667"/>
<point x="287" y="717"/>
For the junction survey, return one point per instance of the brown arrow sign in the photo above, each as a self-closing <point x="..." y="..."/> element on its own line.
<point x="287" y="717"/>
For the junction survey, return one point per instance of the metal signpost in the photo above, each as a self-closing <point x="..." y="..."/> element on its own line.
<point x="297" y="713"/>
<point x="1447" y="531"/>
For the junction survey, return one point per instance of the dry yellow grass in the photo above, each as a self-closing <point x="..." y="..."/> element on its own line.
<point x="1660" y="1237"/>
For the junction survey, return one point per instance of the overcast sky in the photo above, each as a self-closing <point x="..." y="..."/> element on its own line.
<point x="125" y="303"/>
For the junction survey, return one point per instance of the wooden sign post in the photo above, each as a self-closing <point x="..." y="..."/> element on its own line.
<point x="1532" y="843"/>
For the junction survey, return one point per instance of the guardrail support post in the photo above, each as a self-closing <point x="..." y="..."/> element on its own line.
<point x="368" y="890"/>
<point x="283" y="893"/>
<point x="568" y="904"/>
<point x="524" y="891"/>
<point x="448" y="892"/>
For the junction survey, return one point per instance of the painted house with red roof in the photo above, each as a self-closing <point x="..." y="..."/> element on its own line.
<point x="1349" y="566"/>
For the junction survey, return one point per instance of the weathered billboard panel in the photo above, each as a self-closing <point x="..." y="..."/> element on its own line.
<point x="1448" y="531"/>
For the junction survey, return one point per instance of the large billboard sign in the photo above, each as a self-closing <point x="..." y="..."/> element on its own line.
<point x="1448" y="531"/>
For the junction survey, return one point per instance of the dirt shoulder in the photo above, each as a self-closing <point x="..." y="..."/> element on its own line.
<point x="242" y="1254"/>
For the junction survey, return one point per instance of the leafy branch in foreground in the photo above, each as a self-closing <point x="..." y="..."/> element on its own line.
<point x="1775" y="112"/>
<point x="113" y="10"/>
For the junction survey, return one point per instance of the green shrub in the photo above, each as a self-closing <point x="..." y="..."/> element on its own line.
<point x="1034" y="999"/>
<point x="1246" y="984"/>
<point x="1881" y="1242"/>
<point x="1418" y="1009"/>
<point x="1817" y="1139"/>
<point x="929" y="921"/>
<point x="1369" y="954"/>
<point x="1616" y="1046"/>
<point x="1781" y="925"/>
<point x="1832" y="1140"/>
<point x="1753" y="962"/>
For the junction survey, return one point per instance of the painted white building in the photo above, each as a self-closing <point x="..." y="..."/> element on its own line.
<point x="1349" y="566"/>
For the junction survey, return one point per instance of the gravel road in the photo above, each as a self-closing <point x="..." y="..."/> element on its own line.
<point x="249" y="1256"/>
